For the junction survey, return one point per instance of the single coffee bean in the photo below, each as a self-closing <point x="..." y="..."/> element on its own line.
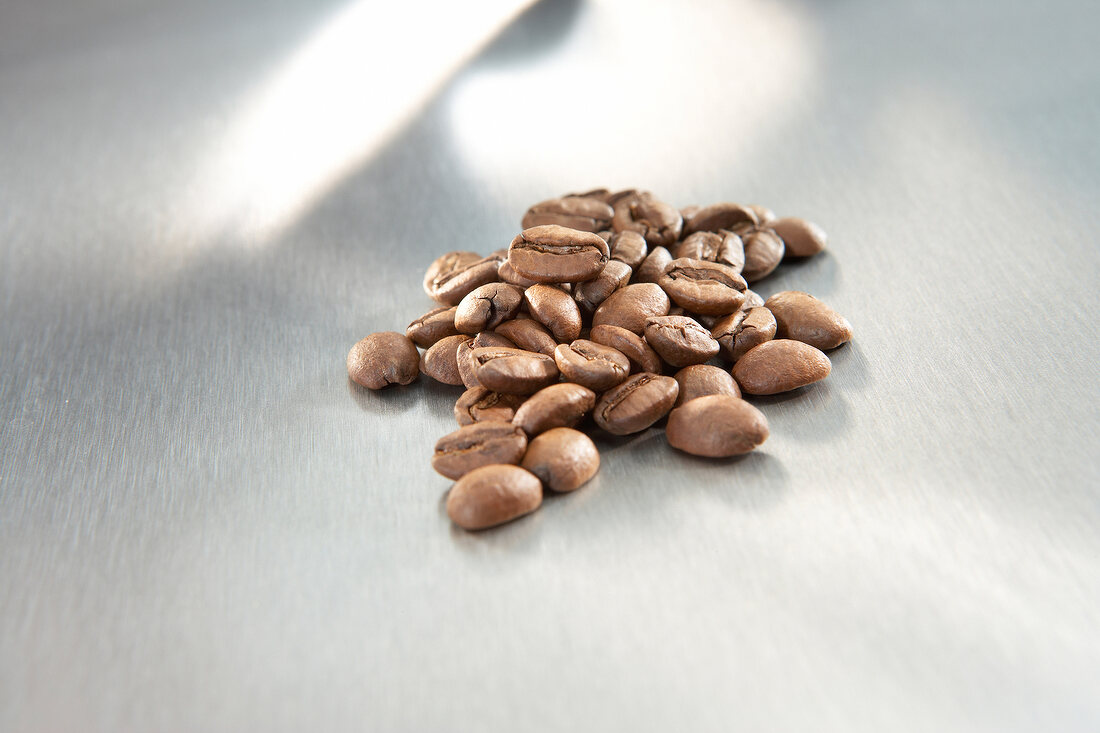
<point x="508" y="275"/>
<point x="716" y="426"/>
<point x="432" y="326"/>
<point x="582" y="213"/>
<point x="629" y="307"/>
<point x="687" y="212"/>
<point x="459" y="275"/>
<point x="555" y="309"/>
<point x="591" y="365"/>
<point x="590" y="294"/>
<point x="802" y="238"/>
<point x="600" y="194"/>
<point x="653" y="266"/>
<point x="642" y="357"/>
<point x="655" y="220"/>
<point x="564" y="459"/>
<point x="492" y="495"/>
<point x="629" y="247"/>
<point x="529" y="335"/>
<point x="728" y="216"/>
<point x="779" y="366"/>
<point x="464" y="355"/>
<point x="746" y="329"/>
<point x="703" y="287"/>
<point x="476" y="445"/>
<point x="557" y="406"/>
<point x="444" y="265"/>
<point x="804" y="318"/>
<point x="763" y="251"/>
<point x="478" y="404"/>
<point x="722" y="247"/>
<point x="382" y="359"/>
<point x="764" y="215"/>
<point x="440" y="361"/>
<point x="700" y="380"/>
<point x="626" y="193"/>
<point x="486" y="307"/>
<point x="556" y="254"/>
<point x="752" y="300"/>
<point x="680" y="340"/>
<point x="637" y="403"/>
<point x="514" y="371"/>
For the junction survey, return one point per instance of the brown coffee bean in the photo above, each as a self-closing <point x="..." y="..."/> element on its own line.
<point x="723" y="247"/>
<point x="764" y="215"/>
<point x="763" y="251"/>
<point x="802" y="317"/>
<point x="653" y="266"/>
<point x="642" y="357"/>
<point x="700" y="380"/>
<point x="655" y="220"/>
<point x="583" y="213"/>
<point x="747" y="328"/>
<point x="716" y="426"/>
<point x="687" y="212"/>
<point x="704" y="320"/>
<point x="752" y="300"/>
<point x="557" y="406"/>
<point x="590" y="294"/>
<point x="703" y="287"/>
<point x="802" y="238"/>
<point x="564" y="459"/>
<point x="626" y="193"/>
<point x="478" y="404"/>
<point x="591" y="365"/>
<point x="600" y="194"/>
<point x="637" y="403"/>
<point x="510" y="276"/>
<point x="680" y="340"/>
<point x="555" y="309"/>
<point x="629" y="307"/>
<point x="444" y="265"/>
<point x="486" y="307"/>
<point x="629" y="247"/>
<point x="779" y="366"/>
<point x="728" y="216"/>
<point x="492" y="495"/>
<point x="382" y="359"/>
<point x="440" y="361"/>
<point x="476" y="445"/>
<point x="555" y="254"/>
<point x="432" y="326"/>
<point x="455" y="274"/>
<point x="529" y="335"/>
<point x="464" y="355"/>
<point x="514" y="371"/>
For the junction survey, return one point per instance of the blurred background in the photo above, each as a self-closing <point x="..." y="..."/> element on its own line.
<point x="204" y="204"/>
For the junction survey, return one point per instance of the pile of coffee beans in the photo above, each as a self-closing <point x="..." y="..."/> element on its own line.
<point x="614" y="306"/>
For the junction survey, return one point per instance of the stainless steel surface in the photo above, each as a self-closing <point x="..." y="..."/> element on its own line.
<point x="203" y="527"/>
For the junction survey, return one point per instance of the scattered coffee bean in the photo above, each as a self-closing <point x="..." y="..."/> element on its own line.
<point x="478" y="404"/>
<point x="655" y="220"/>
<point x="513" y="371"/>
<point x="555" y="254"/>
<point x="802" y="238"/>
<point x="780" y="365"/>
<point x="629" y="307"/>
<point x="440" y="361"/>
<point x="723" y="247"/>
<point x="476" y="445"/>
<point x="680" y="340"/>
<point x="464" y="357"/>
<point x="629" y="247"/>
<point x="564" y="459"/>
<point x="804" y="318"/>
<point x="642" y="357"/>
<point x="486" y="307"/>
<point x="637" y="403"/>
<point x="508" y="275"/>
<point x="653" y="266"/>
<point x="457" y="275"/>
<point x="716" y="426"/>
<point x="432" y="326"/>
<point x="731" y="217"/>
<point x="703" y="287"/>
<point x="752" y="300"/>
<point x="529" y="335"/>
<point x="700" y="380"/>
<point x="590" y="294"/>
<point x="764" y="215"/>
<point x="555" y="309"/>
<point x="743" y="330"/>
<point x="591" y="365"/>
<point x="492" y="495"/>
<point x="763" y="252"/>
<point x="557" y="406"/>
<point x="583" y="213"/>
<point x="382" y="359"/>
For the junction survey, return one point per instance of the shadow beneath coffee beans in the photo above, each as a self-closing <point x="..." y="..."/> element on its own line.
<point x="388" y="401"/>
<point x="821" y="415"/>
<point x="850" y="367"/>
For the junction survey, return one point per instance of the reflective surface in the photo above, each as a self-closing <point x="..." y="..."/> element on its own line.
<point x="204" y="527"/>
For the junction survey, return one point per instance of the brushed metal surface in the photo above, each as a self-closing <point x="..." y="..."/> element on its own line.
<point x="203" y="527"/>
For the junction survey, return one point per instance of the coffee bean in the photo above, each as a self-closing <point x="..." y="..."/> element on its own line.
<point x="653" y="266"/>
<point x="752" y="300"/>
<point x="557" y="406"/>
<point x="555" y="309"/>
<point x="680" y="340"/>
<point x="700" y="380"/>
<point x="655" y="220"/>
<point x="432" y="326"/>
<point x="600" y="194"/>
<point x="703" y="319"/>
<point x="564" y="459"/>
<point x="626" y="193"/>
<point x="510" y="276"/>
<point x="764" y="215"/>
<point x="583" y="213"/>
<point x="804" y="318"/>
<point x="738" y="332"/>
<point x="802" y="238"/>
<point x="591" y="365"/>
<point x="716" y="426"/>
<point x="440" y="361"/>
<point x="642" y="357"/>
<point x="464" y="355"/>
<point x="629" y="247"/>
<point x="486" y="307"/>
<point x="382" y="359"/>
<point x="731" y="217"/>
<point x="555" y="254"/>
<point x="455" y="274"/>
<point x="629" y="307"/>
<point x="763" y="251"/>
<point x="723" y="247"/>
<point x="687" y="212"/>
<point x="529" y="335"/>
<point x="703" y="287"/>
<point x="444" y="265"/>
<point x="779" y="366"/>
<point x="476" y="445"/>
<point x="590" y="294"/>
<point x="637" y="403"/>
<point x="514" y="371"/>
<point x="492" y="495"/>
<point x="478" y="404"/>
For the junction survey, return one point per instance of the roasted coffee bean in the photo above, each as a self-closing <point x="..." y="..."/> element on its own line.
<point x="486" y="307"/>
<point x="703" y="287"/>
<point x="731" y="217"/>
<point x="779" y="366"/>
<point x="763" y="252"/>
<point x="492" y="495"/>
<point x="655" y="220"/>
<point x="677" y="310"/>
<point x="464" y="355"/>
<point x="454" y="275"/>
<point x="440" y="361"/>
<point x="700" y="380"/>
<point x="583" y="213"/>
<point x="653" y="266"/>
<point x="564" y="459"/>
<point x="802" y="238"/>
<point x="555" y="254"/>
<point x="629" y="307"/>
<point x="444" y="265"/>
<point x="557" y="406"/>
<point x="764" y="215"/>
<point x="514" y="371"/>
<point x="804" y="318"/>
<point x="508" y="275"/>
<point x="704" y="320"/>
<point x="687" y="212"/>
<point x="382" y="359"/>
<point x="478" y="404"/>
<point x="723" y="247"/>
<point x="600" y="194"/>
<point x="716" y="426"/>
<point x="752" y="300"/>
<point x="746" y="329"/>
<point x="590" y="294"/>
<point x="626" y="193"/>
<point x="629" y="247"/>
<point x="555" y="309"/>
<point x="642" y="357"/>
<point x="591" y="365"/>
<point x="529" y="335"/>
<point x="680" y="340"/>
<point x="432" y="326"/>
<point x="637" y="403"/>
<point x="476" y="445"/>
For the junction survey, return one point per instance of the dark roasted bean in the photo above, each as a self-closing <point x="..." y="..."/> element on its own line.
<point x="655" y="220"/>
<point x="514" y="371"/>
<point x="556" y="254"/>
<point x="703" y="287"/>
<point x="590" y="294"/>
